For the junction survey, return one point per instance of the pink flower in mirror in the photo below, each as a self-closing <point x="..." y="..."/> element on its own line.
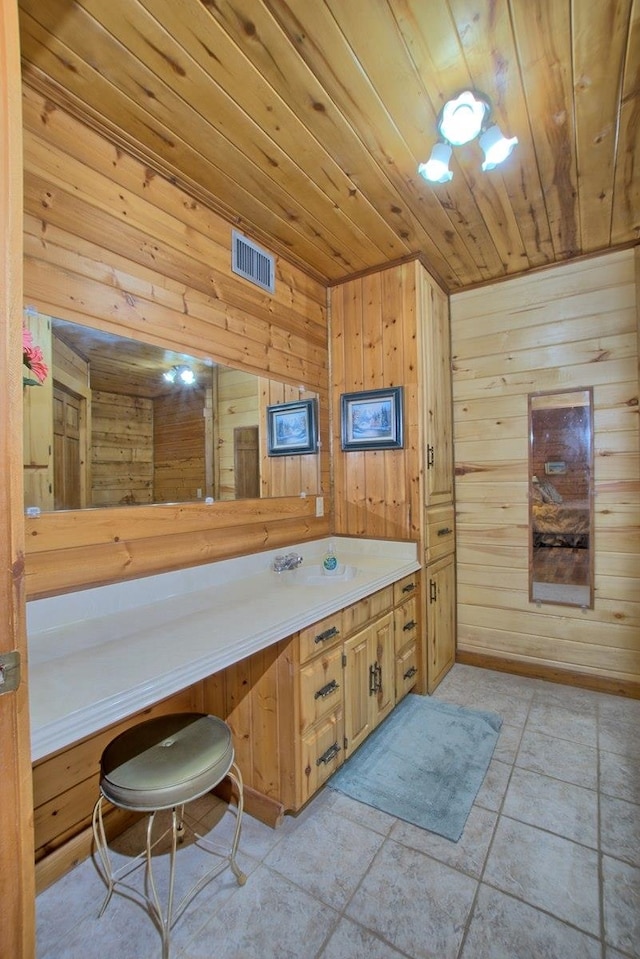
<point x="33" y="359"/>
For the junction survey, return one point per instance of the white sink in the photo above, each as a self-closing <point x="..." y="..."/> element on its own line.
<point x="318" y="576"/>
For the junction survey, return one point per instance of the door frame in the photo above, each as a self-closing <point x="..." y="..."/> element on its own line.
<point x="17" y="878"/>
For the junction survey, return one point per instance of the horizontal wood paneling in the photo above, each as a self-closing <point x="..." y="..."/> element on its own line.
<point x="111" y="245"/>
<point x="572" y="326"/>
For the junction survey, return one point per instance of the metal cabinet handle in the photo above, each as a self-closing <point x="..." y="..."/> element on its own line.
<point x="408" y="588"/>
<point x="433" y="591"/>
<point x="328" y="755"/>
<point x="444" y="531"/>
<point x="431" y="458"/>
<point x="410" y="673"/>
<point x="328" y="634"/>
<point x="331" y="687"/>
<point x="410" y="625"/>
<point x="372" y="679"/>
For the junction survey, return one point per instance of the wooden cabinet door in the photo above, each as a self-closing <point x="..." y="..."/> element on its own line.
<point x="441" y="619"/>
<point x="383" y="651"/>
<point x="369" y="680"/>
<point x="436" y="377"/>
<point x="358" y="685"/>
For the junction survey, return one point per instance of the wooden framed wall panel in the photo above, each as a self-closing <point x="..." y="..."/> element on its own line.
<point x="109" y="244"/>
<point x="572" y="325"/>
<point x="372" y="318"/>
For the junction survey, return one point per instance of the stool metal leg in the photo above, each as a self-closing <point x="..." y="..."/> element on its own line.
<point x="166" y="920"/>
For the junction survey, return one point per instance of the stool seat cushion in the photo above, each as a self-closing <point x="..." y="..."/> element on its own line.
<point x="166" y="761"/>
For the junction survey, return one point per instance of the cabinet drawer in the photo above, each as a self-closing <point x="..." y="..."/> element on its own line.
<point x="367" y="609"/>
<point x="406" y="670"/>
<point x="405" y="588"/>
<point x="440" y="536"/>
<point x="406" y="623"/>
<point x="322" y="752"/>
<point x="320" y="687"/>
<point x="322" y="635"/>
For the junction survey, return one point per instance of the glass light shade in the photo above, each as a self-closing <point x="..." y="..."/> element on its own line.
<point x="496" y="147"/>
<point x="461" y="119"/>
<point x="436" y="169"/>
<point x="184" y="375"/>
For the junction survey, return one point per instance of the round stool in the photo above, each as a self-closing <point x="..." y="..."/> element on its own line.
<point x="162" y="764"/>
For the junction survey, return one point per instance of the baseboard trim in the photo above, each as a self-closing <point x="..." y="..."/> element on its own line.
<point x="553" y="674"/>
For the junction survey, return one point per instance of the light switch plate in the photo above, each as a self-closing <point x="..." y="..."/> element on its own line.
<point x="319" y="506"/>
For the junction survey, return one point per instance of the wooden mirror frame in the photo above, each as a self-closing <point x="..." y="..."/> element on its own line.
<point x="561" y="498"/>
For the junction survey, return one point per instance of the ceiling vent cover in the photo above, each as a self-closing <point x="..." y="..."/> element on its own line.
<point x="252" y="262"/>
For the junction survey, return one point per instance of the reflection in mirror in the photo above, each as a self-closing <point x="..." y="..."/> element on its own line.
<point x="561" y="496"/>
<point x="121" y="422"/>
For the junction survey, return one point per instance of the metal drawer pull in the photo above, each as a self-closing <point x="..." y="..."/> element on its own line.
<point x="444" y="531"/>
<point x="410" y="625"/>
<point x="327" y="690"/>
<point x="327" y="756"/>
<point x="410" y="673"/>
<point x="408" y="588"/>
<point x="328" y="634"/>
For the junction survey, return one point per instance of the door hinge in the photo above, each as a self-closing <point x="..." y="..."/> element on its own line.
<point x="9" y="671"/>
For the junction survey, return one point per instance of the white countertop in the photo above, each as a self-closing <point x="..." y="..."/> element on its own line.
<point x="99" y="655"/>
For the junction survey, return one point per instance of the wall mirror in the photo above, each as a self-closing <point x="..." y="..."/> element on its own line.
<point x="561" y="498"/>
<point x="121" y="422"/>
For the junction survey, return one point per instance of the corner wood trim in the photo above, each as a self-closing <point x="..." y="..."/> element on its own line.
<point x="553" y="674"/>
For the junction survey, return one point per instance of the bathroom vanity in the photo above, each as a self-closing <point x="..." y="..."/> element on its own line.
<point x="302" y="666"/>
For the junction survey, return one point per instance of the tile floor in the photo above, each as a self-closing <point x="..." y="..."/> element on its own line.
<point x="548" y="866"/>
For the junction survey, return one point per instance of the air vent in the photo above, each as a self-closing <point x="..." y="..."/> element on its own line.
<point x="252" y="262"/>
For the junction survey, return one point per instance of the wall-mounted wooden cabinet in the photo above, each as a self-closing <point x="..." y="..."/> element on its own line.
<point x="392" y="329"/>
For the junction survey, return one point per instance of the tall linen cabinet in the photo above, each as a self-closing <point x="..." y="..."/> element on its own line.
<point x="391" y="328"/>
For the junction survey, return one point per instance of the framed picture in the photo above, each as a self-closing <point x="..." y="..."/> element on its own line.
<point x="292" y="428"/>
<point x="555" y="467"/>
<point x="372" y="420"/>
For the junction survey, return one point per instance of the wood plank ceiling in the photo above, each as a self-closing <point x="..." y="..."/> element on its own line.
<point x="303" y="121"/>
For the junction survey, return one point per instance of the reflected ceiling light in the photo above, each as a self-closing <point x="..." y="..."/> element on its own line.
<point x="183" y="375"/>
<point x="460" y="121"/>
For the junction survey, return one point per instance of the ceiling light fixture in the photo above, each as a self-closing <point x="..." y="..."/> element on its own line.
<point x="183" y="375"/>
<point x="460" y="121"/>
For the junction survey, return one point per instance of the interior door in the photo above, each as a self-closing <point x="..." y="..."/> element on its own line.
<point x="17" y="877"/>
<point x="66" y="450"/>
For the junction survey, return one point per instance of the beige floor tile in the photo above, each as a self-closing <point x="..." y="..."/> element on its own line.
<point x="504" y="928"/>
<point x="563" y="808"/>
<point x="621" y="894"/>
<point x="563" y="723"/>
<point x="327" y="856"/>
<point x="269" y="918"/>
<point x="571" y="762"/>
<point x="415" y="903"/>
<point x="620" y="776"/>
<point x="350" y="941"/>
<point x="492" y="791"/>
<point x="546" y="871"/>
<point x="620" y="829"/>
<point x="468" y="853"/>
<point x="620" y="736"/>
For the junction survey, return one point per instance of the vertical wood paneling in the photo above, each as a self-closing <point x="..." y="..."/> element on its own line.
<point x="375" y="346"/>
<point x="571" y="326"/>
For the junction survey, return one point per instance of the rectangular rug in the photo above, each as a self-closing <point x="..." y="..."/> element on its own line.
<point x="424" y="764"/>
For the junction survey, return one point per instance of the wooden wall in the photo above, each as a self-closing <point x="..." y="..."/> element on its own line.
<point x="373" y="321"/>
<point x="237" y="405"/>
<point x="570" y="326"/>
<point x="179" y="446"/>
<point x="121" y="449"/>
<point x="109" y="244"/>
